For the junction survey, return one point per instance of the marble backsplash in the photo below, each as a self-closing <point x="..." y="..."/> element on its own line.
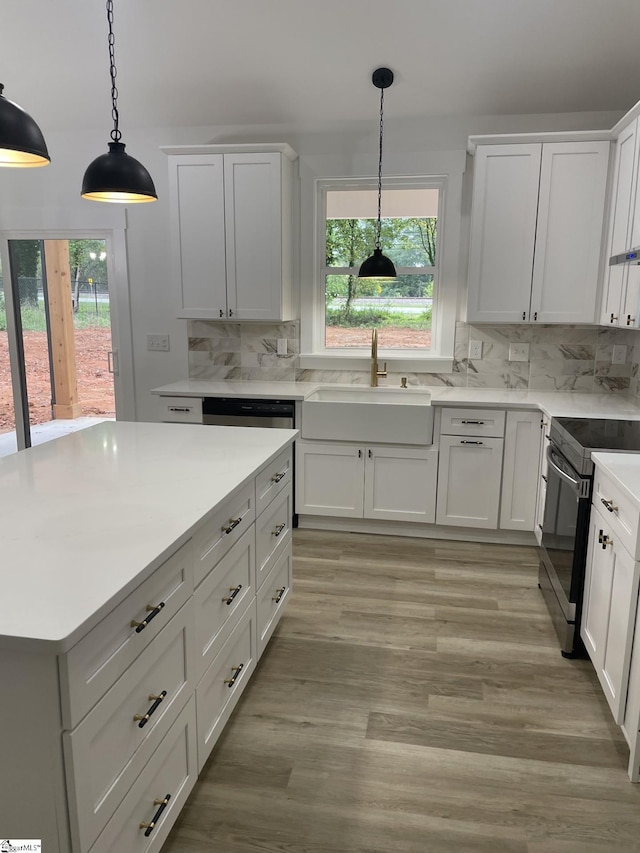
<point x="561" y="358"/>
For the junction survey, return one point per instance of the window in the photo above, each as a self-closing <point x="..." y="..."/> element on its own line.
<point x="405" y="310"/>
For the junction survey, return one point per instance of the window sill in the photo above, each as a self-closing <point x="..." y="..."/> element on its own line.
<point x="360" y="361"/>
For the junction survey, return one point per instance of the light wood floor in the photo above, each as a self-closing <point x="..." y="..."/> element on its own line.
<point x="414" y="700"/>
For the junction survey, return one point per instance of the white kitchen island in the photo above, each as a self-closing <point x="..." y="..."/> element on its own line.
<point x="144" y="568"/>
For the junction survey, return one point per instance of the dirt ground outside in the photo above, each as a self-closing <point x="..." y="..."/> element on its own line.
<point x="95" y="383"/>
<point x="388" y="337"/>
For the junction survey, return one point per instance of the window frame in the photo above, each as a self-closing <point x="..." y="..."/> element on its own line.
<point x="314" y="352"/>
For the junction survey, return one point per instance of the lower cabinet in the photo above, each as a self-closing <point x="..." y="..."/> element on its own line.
<point x="469" y="476"/>
<point x="366" y="481"/>
<point x="520" y="470"/>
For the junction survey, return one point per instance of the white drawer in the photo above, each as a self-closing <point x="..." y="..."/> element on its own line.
<point x="222" y="597"/>
<point x="621" y="513"/>
<point x="272" y="597"/>
<point x="172" y="771"/>
<point x="489" y="422"/>
<point x="273" y="479"/>
<point x="217" y="535"/>
<point x="273" y="534"/>
<point x="89" y="669"/>
<point x="109" y="748"/>
<point x="224" y="681"/>
<point x="181" y="410"/>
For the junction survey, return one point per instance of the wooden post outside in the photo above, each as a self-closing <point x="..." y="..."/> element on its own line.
<point x="63" y="345"/>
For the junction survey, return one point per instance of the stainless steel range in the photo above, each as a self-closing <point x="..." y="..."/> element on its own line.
<point x="563" y="547"/>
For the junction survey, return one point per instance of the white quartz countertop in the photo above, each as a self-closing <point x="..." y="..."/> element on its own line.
<point x="553" y="403"/>
<point x="624" y="468"/>
<point x="87" y="517"/>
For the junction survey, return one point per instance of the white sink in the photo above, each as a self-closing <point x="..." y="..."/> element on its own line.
<point x="361" y="413"/>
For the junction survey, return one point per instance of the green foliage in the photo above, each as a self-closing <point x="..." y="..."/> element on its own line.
<point x="377" y="318"/>
<point x="34" y="319"/>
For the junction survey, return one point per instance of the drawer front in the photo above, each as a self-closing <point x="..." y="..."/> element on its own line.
<point x="109" y="748"/>
<point x="224" y="681"/>
<point x="181" y="410"/>
<point x="216" y="536"/>
<point x="221" y="599"/>
<point x="272" y="597"/>
<point x="273" y="480"/>
<point x="172" y="770"/>
<point x="273" y="534"/>
<point x="621" y="513"/>
<point x="489" y="422"/>
<point x="89" y="669"/>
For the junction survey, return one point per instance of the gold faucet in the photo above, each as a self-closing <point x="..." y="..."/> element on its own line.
<point x="374" y="360"/>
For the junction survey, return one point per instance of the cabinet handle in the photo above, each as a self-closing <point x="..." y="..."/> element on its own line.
<point x="231" y="312"/>
<point x="278" y="529"/>
<point x="544" y="477"/>
<point x="613" y="318"/>
<point x="277" y="477"/>
<point x="524" y="315"/>
<point x="471" y="442"/>
<point x="476" y="423"/>
<point x="236" y="672"/>
<point x="535" y="316"/>
<point x="604" y="540"/>
<point x="234" y="590"/>
<point x="370" y="454"/>
<point x="149" y="827"/>
<point x="277" y="598"/>
<point x="144" y="718"/>
<point x="233" y="522"/>
<point x="153" y="611"/>
<point x="179" y="408"/>
<point x="221" y="313"/>
<point x="630" y="319"/>
<point x="609" y="505"/>
<point x="359" y="454"/>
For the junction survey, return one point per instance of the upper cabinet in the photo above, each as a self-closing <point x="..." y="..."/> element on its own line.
<point x="231" y="222"/>
<point x="537" y="232"/>
<point x="620" y="295"/>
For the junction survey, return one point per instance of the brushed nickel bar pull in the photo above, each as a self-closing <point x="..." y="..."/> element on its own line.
<point x="604" y="540"/>
<point x="476" y="423"/>
<point x="233" y="522"/>
<point x="279" y="528"/>
<point x="149" y="827"/>
<point x="630" y="319"/>
<point x="613" y="317"/>
<point x="180" y="408"/>
<point x="277" y="477"/>
<point x="471" y="442"/>
<point x="143" y="719"/>
<point x="609" y="505"/>
<point x="153" y="611"/>
<point x="236" y="672"/>
<point x="277" y="598"/>
<point x="234" y="590"/>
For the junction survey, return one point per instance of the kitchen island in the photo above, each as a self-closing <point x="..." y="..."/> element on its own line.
<point x="144" y="568"/>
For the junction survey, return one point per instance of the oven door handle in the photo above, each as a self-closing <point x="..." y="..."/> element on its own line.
<point x="551" y="456"/>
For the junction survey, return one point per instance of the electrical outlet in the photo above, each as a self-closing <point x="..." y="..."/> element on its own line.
<point x="158" y="343"/>
<point x="518" y="352"/>
<point x="282" y="346"/>
<point x="475" y="350"/>
<point x="619" y="355"/>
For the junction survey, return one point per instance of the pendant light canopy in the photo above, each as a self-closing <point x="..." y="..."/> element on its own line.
<point x="21" y="141"/>
<point x="115" y="176"/>
<point x="379" y="265"/>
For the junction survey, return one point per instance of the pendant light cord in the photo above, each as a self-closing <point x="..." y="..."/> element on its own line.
<point x="115" y="133"/>
<point x="379" y="225"/>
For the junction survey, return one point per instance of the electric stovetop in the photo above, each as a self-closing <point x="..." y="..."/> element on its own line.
<point x="578" y="438"/>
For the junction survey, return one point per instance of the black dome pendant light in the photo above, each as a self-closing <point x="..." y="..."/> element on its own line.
<point x="379" y="265"/>
<point x="116" y="176"/>
<point x="21" y="141"/>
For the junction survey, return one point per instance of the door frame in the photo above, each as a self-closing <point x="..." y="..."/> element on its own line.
<point x="119" y="310"/>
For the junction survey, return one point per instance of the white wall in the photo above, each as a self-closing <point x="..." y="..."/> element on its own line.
<point x="53" y="193"/>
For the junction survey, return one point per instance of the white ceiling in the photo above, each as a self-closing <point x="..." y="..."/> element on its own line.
<point x="241" y="62"/>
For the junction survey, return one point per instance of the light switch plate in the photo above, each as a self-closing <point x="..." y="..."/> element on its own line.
<point x="518" y="352"/>
<point x="475" y="350"/>
<point x="158" y="343"/>
<point x="282" y="346"/>
<point x="619" y="355"/>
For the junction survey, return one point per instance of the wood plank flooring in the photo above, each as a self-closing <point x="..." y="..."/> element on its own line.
<point x="414" y="700"/>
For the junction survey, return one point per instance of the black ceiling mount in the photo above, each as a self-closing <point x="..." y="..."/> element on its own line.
<point x="382" y="78"/>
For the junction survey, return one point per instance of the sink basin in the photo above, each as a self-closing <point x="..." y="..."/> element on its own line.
<point x="361" y="413"/>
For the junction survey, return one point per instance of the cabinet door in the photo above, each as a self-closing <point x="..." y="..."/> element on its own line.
<point x="542" y="482"/>
<point x="620" y="223"/>
<point x="609" y="610"/>
<point x="469" y="472"/>
<point x="329" y="479"/>
<point x="198" y="233"/>
<point x="400" y="483"/>
<point x="569" y="232"/>
<point x="503" y="229"/>
<point x="520" y="470"/>
<point x="254" y="235"/>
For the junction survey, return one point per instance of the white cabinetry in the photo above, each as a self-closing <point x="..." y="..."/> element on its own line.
<point x="520" y="470"/>
<point x="542" y="482"/>
<point x="366" y="481"/>
<point x="620" y="297"/>
<point x="536" y="232"/>
<point x="231" y="222"/>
